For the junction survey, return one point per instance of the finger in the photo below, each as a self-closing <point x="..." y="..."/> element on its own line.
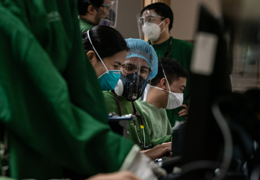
<point x="183" y="114"/>
<point x="184" y="110"/>
<point x="164" y="151"/>
<point x="166" y="145"/>
<point x="167" y="149"/>
<point x="185" y="106"/>
<point x="170" y="143"/>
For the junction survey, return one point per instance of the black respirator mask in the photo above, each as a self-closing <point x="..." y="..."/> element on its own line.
<point x="131" y="87"/>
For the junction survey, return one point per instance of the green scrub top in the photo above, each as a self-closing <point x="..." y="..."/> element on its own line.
<point x="158" y="122"/>
<point x="127" y="108"/>
<point x="51" y="101"/>
<point x="85" y="24"/>
<point x="181" y="51"/>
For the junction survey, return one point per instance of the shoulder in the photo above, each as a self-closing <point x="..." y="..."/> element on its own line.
<point x="163" y="113"/>
<point x="141" y="107"/>
<point x="184" y="44"/>
<point x="84" y="26"/>
<point x="142" y="104"/>
<point x="144" y="109"/>
<point x="109" y="100"/>
<point x="108" y="94"/>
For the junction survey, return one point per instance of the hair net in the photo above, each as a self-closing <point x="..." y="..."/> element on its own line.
<point x="140" y="48"/>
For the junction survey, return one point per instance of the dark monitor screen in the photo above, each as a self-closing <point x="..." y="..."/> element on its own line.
<point x="203" y="139"/>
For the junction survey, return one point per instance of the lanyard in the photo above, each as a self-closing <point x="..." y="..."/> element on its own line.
<point x="137" y="115"/>
<point x="168" y="52"/>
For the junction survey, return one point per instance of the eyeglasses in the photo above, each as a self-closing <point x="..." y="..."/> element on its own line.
<point x="131" y="68"/>
<point x="108" y="6"/>
<point x="149" y="19"/>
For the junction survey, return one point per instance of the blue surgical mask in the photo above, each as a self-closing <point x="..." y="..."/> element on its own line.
<point x="109" y="79"/>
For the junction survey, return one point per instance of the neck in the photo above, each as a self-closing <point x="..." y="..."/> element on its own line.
<point x="163" y="37"/>
<point x="88" y="18"/>
<point x="154" y="98"/>
<point x="97" y="70"/>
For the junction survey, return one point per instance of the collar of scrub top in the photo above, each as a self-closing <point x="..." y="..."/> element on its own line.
<point x="137" y="115"/>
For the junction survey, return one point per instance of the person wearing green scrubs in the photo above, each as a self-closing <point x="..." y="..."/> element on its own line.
<point x="139" y="67"/>
<point x="107" y="54"/>
<point x="52" y="108"/>
<point x="155" y="22"/>
<point x="91" y="12"/>
<point x="165" y="93"/>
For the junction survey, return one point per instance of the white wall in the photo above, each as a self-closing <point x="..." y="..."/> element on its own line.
<point x="185" y="16"/>
<point x="126" y="21"/>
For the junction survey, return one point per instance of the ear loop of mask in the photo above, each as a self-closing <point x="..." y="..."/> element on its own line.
<point x="97" y="53"/>
<point x="163" y="29"/>
<point x="169" y="91"/>
<point x="166" y="80"/>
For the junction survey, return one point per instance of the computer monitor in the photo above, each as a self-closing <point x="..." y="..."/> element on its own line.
<point x="203" y="139"/>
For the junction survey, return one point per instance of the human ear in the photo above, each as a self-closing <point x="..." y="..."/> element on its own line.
<point x="163" y="83"/>
<point x="167" y="21"/>
<point x="91" y="10"/>
<point x="92" y="57"/>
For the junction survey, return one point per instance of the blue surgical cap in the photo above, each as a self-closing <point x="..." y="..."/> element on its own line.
<point x="142" y="49"/>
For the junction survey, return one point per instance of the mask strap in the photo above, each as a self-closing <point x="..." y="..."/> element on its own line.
<point x="96" y="52"/>
<point x="158" y="88"/>
<point x="163" y="29"/>
<point x="166" y="80"/>
<point x="164" y="90"/>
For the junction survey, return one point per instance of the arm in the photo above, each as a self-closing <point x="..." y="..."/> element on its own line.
<point x="158" y="151"/>
<point x="47" y="111"/>
<point x="161" y="140"/>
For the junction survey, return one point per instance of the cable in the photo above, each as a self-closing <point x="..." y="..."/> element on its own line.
<point x="227" y="149"/>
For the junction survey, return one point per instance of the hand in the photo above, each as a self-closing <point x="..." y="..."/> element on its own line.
<point x="123" y="175"/>
<point x="184" y="112"/>
<point x="158" y="151"/>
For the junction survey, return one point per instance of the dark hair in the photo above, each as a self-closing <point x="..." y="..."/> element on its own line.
<point x="161" y="9"/>
<point x="106" y="40"/>
<point x="83" y="5"/>
<point x="173" y="71"/>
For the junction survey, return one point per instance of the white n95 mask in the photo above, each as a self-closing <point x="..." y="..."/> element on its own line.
<point x="152" y="31"/>
<point x="174" y="99"/>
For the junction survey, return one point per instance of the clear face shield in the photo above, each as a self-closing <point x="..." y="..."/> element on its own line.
<point x="149" y="25"/>
<point x="108" y="9"/>
<point x="135" y="73"/>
